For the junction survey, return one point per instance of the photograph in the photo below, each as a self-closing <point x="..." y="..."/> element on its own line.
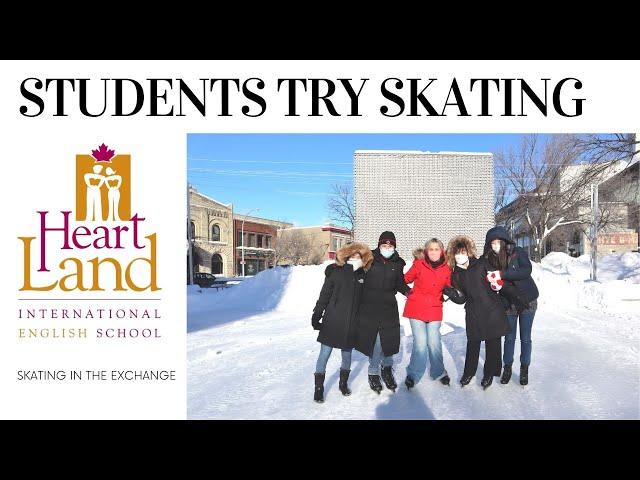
<point x="363" y="276"/>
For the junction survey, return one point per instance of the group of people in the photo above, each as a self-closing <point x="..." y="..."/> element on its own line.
<point x="357" y="308"/>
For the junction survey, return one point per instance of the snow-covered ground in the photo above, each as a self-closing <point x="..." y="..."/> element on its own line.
<point x="252" y="353"/>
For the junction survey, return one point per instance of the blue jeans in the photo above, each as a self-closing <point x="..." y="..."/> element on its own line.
<point x="325" y="353"/>
<point x="426" y="341"/>
<point x="526" y="322"/>
<point x="378" y="358"/>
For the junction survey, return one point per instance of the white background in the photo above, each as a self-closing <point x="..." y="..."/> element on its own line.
<point x="37" y="173"/>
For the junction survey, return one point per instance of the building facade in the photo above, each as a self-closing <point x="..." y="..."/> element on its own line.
<point x="211" y="224"/>
<point x="255" y="238"/>
<point x="420" y="195"/>
<point x="619" y="198"/>
<point x="323" y="241"/>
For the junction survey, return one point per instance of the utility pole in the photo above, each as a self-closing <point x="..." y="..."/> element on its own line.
<point x="242" y="236"/>
<point x="189" y="237"/>
<point x="594" y="232"/>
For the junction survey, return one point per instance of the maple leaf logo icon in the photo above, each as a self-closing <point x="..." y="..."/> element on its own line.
<point x="102" y="154"/>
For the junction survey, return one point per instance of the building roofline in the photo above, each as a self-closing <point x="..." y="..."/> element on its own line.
<point x="325" y="226"/>
<point x="228" y="205"/>
<point x="246" y="218"/>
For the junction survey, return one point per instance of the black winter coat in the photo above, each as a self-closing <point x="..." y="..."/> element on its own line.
<point x="518" y="266"/>
<point x="485" y="316"/>
<point x="339" y="300"/>
<point x="378" y="310"/>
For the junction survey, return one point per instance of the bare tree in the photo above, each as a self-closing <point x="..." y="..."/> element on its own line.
<point x="340" y="205"/>
<point x="549" y="182"/>
<point x="293" y="247"/>
<point x="607" y="148"/>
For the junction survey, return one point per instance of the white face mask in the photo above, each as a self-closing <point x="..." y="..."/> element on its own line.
<point x="461" y="259"/>
<point x="387" y="252"/>
<point x="355" y="263"/>
<point x="495" y="248"/>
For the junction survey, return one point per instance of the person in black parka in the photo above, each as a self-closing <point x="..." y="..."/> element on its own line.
<point x="378" y="317"/>
<point x="485" y="315"/>
<point x="335" y="311"/>
<point x="511" y="264"/>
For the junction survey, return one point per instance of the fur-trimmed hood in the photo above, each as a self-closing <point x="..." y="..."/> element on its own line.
<point x="469" y="245"/>
<point x="345" y="252"/>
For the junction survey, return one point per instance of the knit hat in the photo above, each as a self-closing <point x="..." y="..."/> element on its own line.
<point x="387" y="238"/>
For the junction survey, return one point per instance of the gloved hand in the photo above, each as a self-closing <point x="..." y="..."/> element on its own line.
<point x="315" y="322"/>
<point x="493" y="276"/>
<point x="449" y="291"/>
<point x="495" y="280"/>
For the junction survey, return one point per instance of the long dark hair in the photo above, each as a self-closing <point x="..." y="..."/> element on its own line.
<point x="498" y="260"/>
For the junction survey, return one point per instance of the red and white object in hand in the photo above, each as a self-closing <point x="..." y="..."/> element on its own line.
<point x="495" y="280"/>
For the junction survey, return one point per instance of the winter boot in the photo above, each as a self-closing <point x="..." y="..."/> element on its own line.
<point x="374" y="383"/>
<point x="465" y="380"/>
<point x="486" y="382"/>
<point x="409" y="382"/>
<point x="344" y="376"/>
<point x="389" y="381"/>
<point x="506" y="375"/>
<point x="445" y="380"/>
<point x="524" y="374"/>
<point x="318" y="394"/>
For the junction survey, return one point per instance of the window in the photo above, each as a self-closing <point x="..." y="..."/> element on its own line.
<point x="251" y="241"/>
<point x="576" y="237"/>
<point x="260" y="237"/>
<point x="193" y="230"/>
<point x="216" y="264"/>
<point x="215" y="233"/>
<point x="267" y="241"/>
<point x="334" y="244"/>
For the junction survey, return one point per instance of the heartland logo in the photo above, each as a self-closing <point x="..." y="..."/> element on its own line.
<point x="103" y="222"/>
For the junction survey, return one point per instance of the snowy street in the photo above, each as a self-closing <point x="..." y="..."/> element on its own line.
<point x="252" y="353"/>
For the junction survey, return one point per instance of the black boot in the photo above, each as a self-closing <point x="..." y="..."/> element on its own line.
<point x="486" y="382"/>
<point x="344" y="376"/>
<point x="524" y="374"/>
<point x="389" y="381"/>
<point x="506" y="375"/>
<point x="409" y="382"/>
<point x="445" y="380"/>
<point x="374" y="383"/>
<point x="466" y="379"/>
<point x="318" y="394"/>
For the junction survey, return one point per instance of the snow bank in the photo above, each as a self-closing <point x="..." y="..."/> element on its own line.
<point x="563" y="281"/>
<point x="620" y="266"/>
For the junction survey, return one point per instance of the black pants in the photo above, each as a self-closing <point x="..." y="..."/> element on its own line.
<point x="492" y="358"/>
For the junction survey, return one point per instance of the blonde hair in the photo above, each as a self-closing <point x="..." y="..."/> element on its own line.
<point x="433" y="240"/>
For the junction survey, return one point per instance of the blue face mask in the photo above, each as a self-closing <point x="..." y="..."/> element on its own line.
<point x="387" y="252"/>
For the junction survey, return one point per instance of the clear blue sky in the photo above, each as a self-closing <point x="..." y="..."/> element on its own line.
<point x="289" y="176"/>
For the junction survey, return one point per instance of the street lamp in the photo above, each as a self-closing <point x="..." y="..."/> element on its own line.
<point x="242" y="236"/>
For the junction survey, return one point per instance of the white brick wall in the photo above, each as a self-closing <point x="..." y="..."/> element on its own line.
<point x="419" y="195"/>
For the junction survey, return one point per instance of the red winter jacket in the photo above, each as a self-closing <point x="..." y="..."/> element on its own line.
<point x="425" y="301"/>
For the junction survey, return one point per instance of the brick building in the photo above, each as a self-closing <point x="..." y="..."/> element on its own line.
<point x="258" y="243"/>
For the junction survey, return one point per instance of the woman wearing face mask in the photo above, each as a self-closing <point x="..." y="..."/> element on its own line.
<point x="511" y="272"/>
<point x="337" y="307"/>
<point x="430" y="274"/>
<point x="378" y="318"/>
<point x="485" y="316"/>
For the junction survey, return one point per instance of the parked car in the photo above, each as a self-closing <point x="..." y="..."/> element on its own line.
<point x="204" y="280"/>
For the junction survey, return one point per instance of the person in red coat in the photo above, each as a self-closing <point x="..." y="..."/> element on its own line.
<point x="430" y="274"/>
